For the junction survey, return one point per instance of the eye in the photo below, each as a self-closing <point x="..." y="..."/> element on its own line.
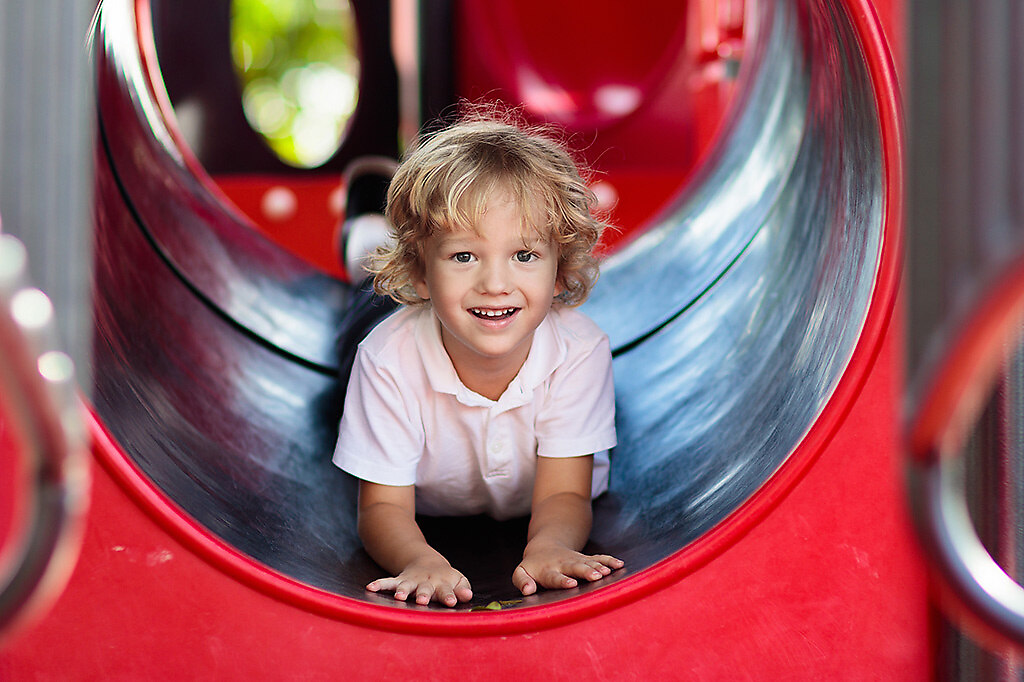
<point x="462" y="257"/>
<point x="526" y="256"/>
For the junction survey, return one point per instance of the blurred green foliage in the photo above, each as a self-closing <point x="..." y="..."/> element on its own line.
<point x="298" y="63"/>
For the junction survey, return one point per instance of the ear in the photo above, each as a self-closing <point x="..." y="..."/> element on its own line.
<point x="421" y="288"/>
<point x="559" y="286"/>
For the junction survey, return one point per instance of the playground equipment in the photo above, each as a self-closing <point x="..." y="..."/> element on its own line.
<point x="749" y="322"/>
<point x="757" y="287"/>
<point x="964" y="347"/>
<point x="44" y="447"/>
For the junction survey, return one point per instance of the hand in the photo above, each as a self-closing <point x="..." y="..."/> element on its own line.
<point x="557" y="567"/>
<point x="427" y="580"/>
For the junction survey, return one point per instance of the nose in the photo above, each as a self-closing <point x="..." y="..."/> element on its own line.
<point x="495" y="277"/>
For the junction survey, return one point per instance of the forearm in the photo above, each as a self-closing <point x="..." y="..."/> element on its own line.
<point x="559" y="528"/>
<point x="563" y="519"/>
<point x="392" y="537"/>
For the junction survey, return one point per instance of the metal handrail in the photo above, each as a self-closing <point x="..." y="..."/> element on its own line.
<point x="977" y="593"/>
<point x="39" y="401"/>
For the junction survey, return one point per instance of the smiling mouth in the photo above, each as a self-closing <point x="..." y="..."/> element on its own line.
<point x="493" y="314"/>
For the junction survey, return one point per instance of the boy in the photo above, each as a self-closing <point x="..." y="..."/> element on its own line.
<point x="487" y="393"/>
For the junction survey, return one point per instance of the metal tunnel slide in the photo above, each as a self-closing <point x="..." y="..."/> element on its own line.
<point x="743" y="322"/>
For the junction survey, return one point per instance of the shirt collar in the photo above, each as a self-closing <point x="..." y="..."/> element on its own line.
<point x="547" y="352"/>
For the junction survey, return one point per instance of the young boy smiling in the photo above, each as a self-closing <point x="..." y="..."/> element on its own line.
<point x="488" y="393"/>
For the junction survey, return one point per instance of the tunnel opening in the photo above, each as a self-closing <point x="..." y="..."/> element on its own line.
<point x="743" y="319"/>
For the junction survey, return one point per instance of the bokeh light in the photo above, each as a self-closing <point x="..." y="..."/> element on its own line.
<point x="298" y="63"/>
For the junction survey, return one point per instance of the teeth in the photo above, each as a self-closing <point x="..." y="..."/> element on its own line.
<point x="492" y="313"/>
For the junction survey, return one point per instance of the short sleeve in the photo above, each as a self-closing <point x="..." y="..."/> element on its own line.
<point x="377" y="440"/>
<point x="578" y="415"/>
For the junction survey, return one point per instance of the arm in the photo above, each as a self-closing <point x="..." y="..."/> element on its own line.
<point x="559" y="527"/>
<point x="388" y="529"/>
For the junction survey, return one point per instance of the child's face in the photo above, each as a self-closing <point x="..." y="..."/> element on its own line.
<point x="490" y="287"/>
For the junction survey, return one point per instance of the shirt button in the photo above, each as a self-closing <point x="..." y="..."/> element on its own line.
<point x="496" y="447"/>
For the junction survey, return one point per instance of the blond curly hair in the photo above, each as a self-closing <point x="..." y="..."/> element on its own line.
<point x="444" y="182"/>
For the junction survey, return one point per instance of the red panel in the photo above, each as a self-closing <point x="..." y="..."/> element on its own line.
<point x="583" y="69"/>
<point x="641" y="93"/>
<point x="301" y="214"/>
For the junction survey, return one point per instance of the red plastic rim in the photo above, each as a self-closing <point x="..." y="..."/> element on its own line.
<point x="969" y="366"/>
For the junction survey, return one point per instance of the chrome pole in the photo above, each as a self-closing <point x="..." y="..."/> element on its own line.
<point x="41" y="419"/>
<point x="965" y="227"/>
<point x="46" y="143"/>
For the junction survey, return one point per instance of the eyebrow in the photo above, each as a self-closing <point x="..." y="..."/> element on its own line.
<point x="536" y="242"/>
<point x="455" y="238"/>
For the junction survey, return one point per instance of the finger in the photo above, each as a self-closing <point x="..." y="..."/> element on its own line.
<point x="523" y="581"/>
<point x="594" y="568"/>
<point x="383" y="584"/>
<point x="553" y="579"/>
<point x="584" y="569"/>
<point x="424" y="593"/>
<point x="463" y="590"/>
<point x="609" y="561"/>
<point x="597" y="566"/>
<point x="566" y="582"/>
<point x="404" y="589"/>
<point x="444" y="595"/>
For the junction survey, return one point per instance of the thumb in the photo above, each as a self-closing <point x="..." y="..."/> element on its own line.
<point x="523" y="582"/>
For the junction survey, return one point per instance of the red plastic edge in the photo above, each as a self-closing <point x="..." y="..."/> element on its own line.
<point x="673" y="568"/>
<point x="968" y="367"/>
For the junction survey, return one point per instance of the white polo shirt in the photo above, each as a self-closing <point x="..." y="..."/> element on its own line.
<point x="409" y="420"/>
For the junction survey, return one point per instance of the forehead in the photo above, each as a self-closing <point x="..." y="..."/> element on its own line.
<point x="466" y="236"/>
<point x="497" y="212"/>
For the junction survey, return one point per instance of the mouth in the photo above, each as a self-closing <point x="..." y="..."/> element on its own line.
<point x="493" y="313"/>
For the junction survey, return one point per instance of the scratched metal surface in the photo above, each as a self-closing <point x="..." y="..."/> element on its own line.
<point x="732" y="318"/>
<point x="249" y="280"/>
<point x="751" y="293"/>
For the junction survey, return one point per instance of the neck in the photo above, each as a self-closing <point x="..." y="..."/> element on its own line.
<point x="490" y="385"/>
<point x="488" y="377"/>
